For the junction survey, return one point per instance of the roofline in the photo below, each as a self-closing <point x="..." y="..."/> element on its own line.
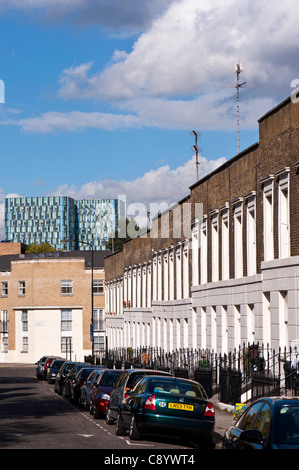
<point x="225" y="164"/>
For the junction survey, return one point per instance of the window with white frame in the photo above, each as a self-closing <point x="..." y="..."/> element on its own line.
<point x="195" y="253"/>
<point x="4" y="321"/>
<point x="224" y="243"/>
<point x="25" y="344"/>
<point x="238" y="237"/>
<point x="66" y="344"/>
<point x="283" y="213"/>
<point x="186" y="270"/>
<point x="250" y="323"/>
<point x="66" y="287"/>
<point x="99" y="342"/>
<point x="159" y="277"/>
<point x="5" y="343"/>
<point x="98" y="286"/>
<point x="165" y="275"/>
<point x="155" y="270"/>
<point x="98" y="319"/>
<point x="251" y="235"/>
<point x="203" y="250"/>
<point x="4" y="289"/>
<point x="215" y="246"/>
<point x="171" y="274"/>
<point x="178" y="271"/>
<point x="283" y="319"/>
<point x="268" y="217"/>
<point x="24" y="320"/>
<point x="66" y="319"/>
<point x="21" y="288"/>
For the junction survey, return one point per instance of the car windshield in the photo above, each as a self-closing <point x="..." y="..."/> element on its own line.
<point x="176" y="386"/>
<point x="109" y="380"/>
<point x="287" y="425"/>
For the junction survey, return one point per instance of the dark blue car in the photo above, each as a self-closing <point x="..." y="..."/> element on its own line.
<point x="269" y="423"/>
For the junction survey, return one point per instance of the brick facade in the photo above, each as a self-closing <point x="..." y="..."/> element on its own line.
<point x="44" y="301"/>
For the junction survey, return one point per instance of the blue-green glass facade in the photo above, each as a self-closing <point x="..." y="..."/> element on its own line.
<point x="87" y="222"/>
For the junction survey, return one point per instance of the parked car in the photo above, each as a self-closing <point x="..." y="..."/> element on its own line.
<point x="78" y="380"/>
<point x="101" y="391"/>
<point x="40" y="365"/>
<point x="44" y="368"/>
<point x="61" y="375"/>
<point x="53" y="369"/>
<point x="127" y="380"/>
<point x="268" y="423"/>
<point x="66" y="387"/>
<point x="167" y="405"/>
<point x="85" y="390"/>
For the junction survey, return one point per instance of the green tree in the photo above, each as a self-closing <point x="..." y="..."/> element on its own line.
<point x="44" y="247"/>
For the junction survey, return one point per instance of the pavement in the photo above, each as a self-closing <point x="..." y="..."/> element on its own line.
<point x="223" y="419"/>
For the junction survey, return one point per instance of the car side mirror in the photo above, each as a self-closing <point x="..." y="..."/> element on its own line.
<point x="253" y="436"/>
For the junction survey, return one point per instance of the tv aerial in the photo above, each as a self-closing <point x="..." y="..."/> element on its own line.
<point x="195" y="147"/>
<point x="239" y="68"/>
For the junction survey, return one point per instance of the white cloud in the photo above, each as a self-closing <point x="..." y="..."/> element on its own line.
<point x="173" y="76"/>
<point x="54" y="122"/>
<point x="155" y="186"/>
<point x="194" y="45"/>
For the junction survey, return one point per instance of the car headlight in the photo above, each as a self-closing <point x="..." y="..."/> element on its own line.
<point x="104" y="396"/>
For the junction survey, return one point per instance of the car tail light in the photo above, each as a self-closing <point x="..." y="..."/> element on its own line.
<point x="210" y="410"/>
<point x="150" y="403"/>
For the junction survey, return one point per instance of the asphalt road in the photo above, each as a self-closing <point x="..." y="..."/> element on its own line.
<point x="32" y="416"/>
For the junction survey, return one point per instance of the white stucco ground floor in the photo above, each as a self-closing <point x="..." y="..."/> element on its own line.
<point x="219" y="315"/>
<point x="40" y="331"/>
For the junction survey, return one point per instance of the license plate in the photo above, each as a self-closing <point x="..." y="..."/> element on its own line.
<point x="180" y="406"/>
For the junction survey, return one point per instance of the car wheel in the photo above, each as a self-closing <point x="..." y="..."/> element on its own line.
<point x="134" y="434"/>
<point x="109" y="419"/>
<point x="119" y="429"/>
<point x="91" y="409"/>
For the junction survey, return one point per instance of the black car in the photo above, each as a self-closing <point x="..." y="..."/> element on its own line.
<point x="66" y="387"/>
<point x="78" y="380"/>
<point x="61" y="375"/>
<point x="269" y="423"/>
<point x="127" y="381"/>
<point x="169" y="406"/>
<point x="53" y="369"/>
<point x="86" y="389"/>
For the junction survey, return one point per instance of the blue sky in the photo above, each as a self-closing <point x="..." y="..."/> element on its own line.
<point x="100" y="96"/>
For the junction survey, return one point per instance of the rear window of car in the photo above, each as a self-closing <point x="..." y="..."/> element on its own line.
<point x="135" y="377"/>
<point x="109" y="379"/>
<point x="176" y="386"/>
<point x="57" y="364"/>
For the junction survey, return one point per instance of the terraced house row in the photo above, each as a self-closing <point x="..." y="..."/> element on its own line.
<point x="225" y="274"/>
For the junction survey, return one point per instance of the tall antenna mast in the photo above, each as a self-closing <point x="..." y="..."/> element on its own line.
<point x="238" y="69"/>
<point x="195" y="147"/>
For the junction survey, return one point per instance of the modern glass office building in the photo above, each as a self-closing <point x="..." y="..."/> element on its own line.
<point x="55" y="218"/>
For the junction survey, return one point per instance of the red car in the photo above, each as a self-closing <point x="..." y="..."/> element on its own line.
<point x="100" y="395"/>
